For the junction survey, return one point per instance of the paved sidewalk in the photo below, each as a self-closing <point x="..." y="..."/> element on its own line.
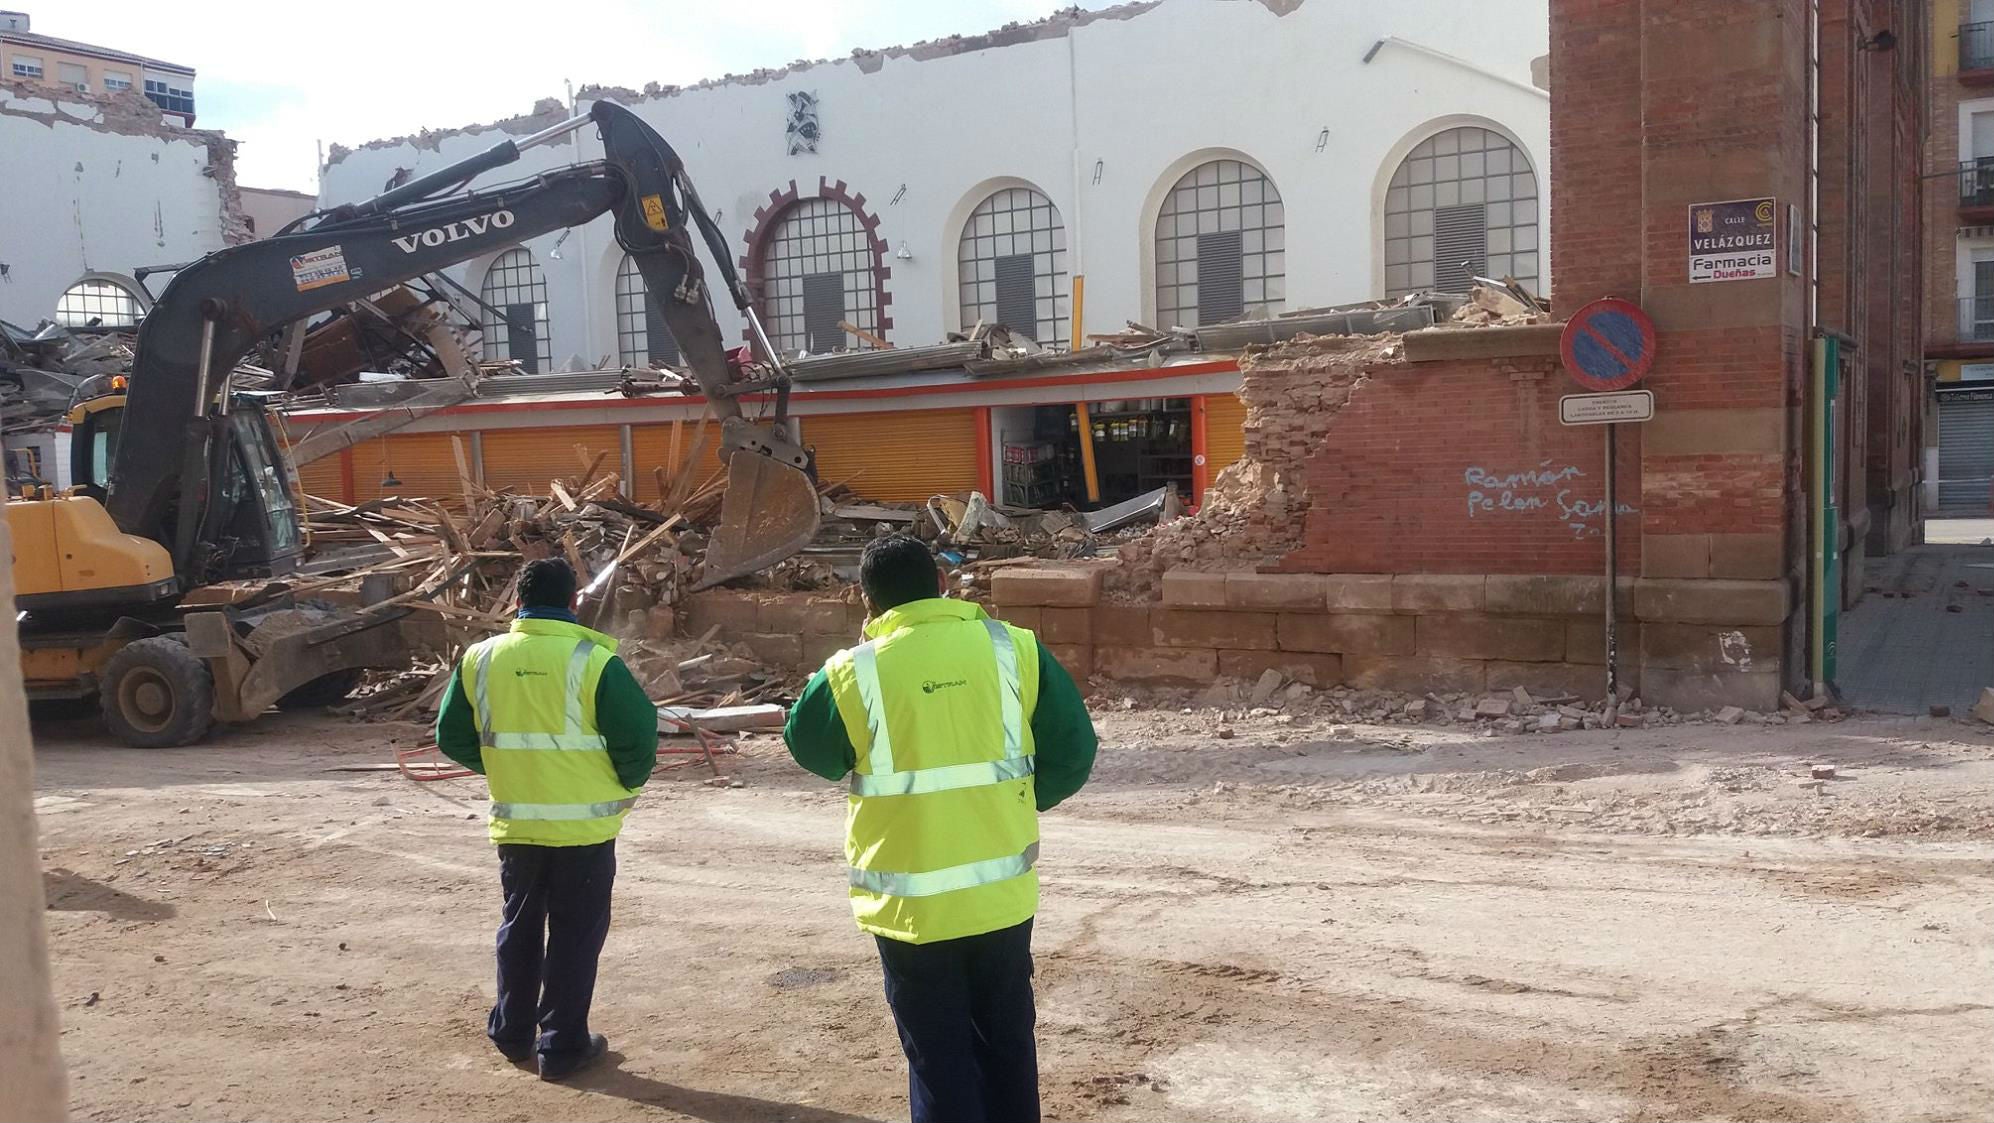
<point x="1923" y="634"/>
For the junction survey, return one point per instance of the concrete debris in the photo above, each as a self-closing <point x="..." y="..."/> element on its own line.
<point x="1271" y="680"/>
<point x="1730" y="715"/>
<point x="1490" y="306"/>
<point x="1522" y="697"/>
<point x="1984" y="709"/>
<point x="1821" y="771"/>
<point x="1492" y="707"/>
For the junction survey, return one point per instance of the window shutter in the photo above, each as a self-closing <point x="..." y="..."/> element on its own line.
<point x="1460" y="246"/>
<point x="658" y="339"/>
<point x="522" y="337"/>
<point x="1017" y="301"/>
<point x="823" y="310"/>
<point x="1221" y="280"/>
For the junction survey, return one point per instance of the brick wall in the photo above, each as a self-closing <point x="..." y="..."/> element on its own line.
<point x="1462" y="467"/>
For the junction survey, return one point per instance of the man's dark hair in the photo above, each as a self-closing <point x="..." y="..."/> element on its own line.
<point x="546" y="583"/>
<point x="896" y="569"/>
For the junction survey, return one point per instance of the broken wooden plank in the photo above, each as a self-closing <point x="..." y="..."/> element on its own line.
<point x="724" y="719"/>
<point x="591" y="466"/>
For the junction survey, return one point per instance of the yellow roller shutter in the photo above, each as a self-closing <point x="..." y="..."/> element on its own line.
<point x="423" y="462"/>
<point x="651" y="449"/>
<point x="526" y="460"/>
<point x="1225" y="433"/>
<point x="902" y="456"/>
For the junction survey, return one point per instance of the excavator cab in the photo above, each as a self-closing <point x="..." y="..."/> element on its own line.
<point x="252" y="524"/>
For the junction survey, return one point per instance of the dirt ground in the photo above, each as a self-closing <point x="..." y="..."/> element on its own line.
<point x="1306" y="920"/>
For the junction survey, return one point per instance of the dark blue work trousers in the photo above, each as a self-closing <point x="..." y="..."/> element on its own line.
<point x="964" y="1008"/>
<point x="556" y="918"/>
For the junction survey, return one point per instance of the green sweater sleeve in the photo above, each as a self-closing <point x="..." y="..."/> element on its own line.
<point x="816" y="734"/>
<point x="628" y="721"/>
<point x="1062" y="733"/>
<point x="456" y="729"/>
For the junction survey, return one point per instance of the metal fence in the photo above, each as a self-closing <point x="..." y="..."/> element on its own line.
<point x="1976" y="182"/>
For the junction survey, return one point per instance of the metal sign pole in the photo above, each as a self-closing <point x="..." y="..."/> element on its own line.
<point x="1612" y="589"/>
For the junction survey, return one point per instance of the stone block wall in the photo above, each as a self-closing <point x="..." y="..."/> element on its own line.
<point x="789" y="630"/>
<point x="1689" y="644"/>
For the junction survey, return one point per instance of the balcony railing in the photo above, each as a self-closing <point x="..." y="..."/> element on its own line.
<point x="1976" y="182"/>
<point x="1976" y="46"/>
<point x="1976" y="319"/>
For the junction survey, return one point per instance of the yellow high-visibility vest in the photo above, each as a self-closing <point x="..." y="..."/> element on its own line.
<point x="942" y="826"/>
<point x="532" y="691"/>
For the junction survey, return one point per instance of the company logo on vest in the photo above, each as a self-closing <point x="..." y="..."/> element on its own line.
<point x="930" y="686"/>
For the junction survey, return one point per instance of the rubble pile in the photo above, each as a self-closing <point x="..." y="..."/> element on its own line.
<point x="1253" y="512"/>
<point x="1514" y="711"/>
<point x="460" y="560"/>
<point x="1494" y="307"/>
<point x="42" y="371"/>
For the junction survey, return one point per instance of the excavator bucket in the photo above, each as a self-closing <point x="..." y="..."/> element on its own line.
<point x="768" y="514"/>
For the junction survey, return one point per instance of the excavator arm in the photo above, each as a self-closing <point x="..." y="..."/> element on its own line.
<point x="176" y="462"/>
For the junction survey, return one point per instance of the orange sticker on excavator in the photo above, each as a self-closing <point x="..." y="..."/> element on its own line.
<point x="654" y="212"/>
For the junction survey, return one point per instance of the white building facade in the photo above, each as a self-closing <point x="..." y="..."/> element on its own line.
<point x="98" y="188"/>
<point x="1176" y="163"/>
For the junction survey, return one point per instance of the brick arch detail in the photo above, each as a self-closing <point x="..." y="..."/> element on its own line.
<point x="770" y="213"/>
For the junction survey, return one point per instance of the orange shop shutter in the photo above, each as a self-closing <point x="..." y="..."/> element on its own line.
<point x="423" y="462"/>
<point x="527" y="460"/>
<point x="651" y="449"/>
<point x="903" y="456"/>
<point x="321" y="478"/>
<point x="1225" y="432"/>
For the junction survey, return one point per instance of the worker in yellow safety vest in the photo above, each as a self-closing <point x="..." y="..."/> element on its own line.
<point x="564" y="737"/>
<point x="956" y="730"/>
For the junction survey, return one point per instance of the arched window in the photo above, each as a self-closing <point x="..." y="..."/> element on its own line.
<point x="1461" y="204"/>
<point x="1220" y="247"/>
<point x="98" y="303"/>
<point x="516" y="324"/>
<point x="1012" y="266"/>
<point x="641" y="335"/>
<point x="816" y="274"/>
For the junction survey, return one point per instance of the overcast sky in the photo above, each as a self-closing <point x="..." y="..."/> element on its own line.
<point x="283" y="78"/>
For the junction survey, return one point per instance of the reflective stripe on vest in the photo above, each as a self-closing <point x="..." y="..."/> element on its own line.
<point x="575" y="736"/>
<point x="949" y="777"/>
<point x="865" y="671"/>
<point x="948" y="880"/>
<point x="560" y="812"/>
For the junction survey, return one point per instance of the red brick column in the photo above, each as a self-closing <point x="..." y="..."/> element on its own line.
<point x="1657" y="105"/>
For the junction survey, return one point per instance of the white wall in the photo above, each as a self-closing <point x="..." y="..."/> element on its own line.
<point x="1140" y="99"/>
<point x="82" y="197"/>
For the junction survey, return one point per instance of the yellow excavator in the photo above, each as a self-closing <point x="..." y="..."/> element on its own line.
<point x="180" y="483"/>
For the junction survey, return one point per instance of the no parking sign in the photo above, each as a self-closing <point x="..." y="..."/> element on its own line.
<point x="1608" y="345"/>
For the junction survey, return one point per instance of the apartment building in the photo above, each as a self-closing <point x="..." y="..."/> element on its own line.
<point x="86" y="68"/>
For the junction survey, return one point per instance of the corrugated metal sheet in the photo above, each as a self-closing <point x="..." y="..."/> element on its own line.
<point x="900" y="456"/>
<point x="526" y="459"/>
<point x="651" y="449"/>
<point x="1966" y="452"/>
<point x="1225" y="432"/>
<point x="423" y="462"/>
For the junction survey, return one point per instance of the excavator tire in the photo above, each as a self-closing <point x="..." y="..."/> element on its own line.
<point x="156" y="694"/>
<point x="325" y="690"/>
